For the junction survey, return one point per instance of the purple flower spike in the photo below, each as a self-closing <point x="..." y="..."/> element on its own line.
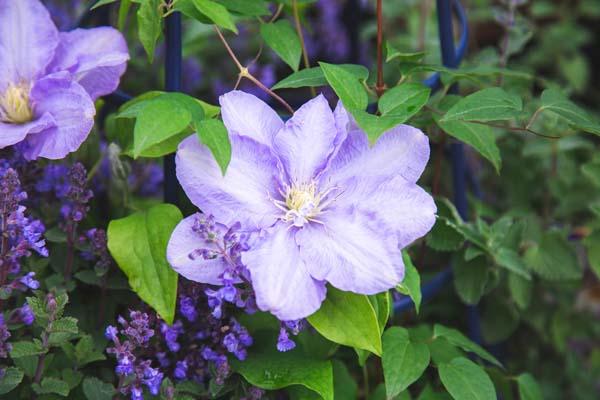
<point x="26" y="315"/>
<point x="284" y="343"/>
<point x="50" y="79"/>
<point x="29" y="281"/>
<point x="322" y="205"/>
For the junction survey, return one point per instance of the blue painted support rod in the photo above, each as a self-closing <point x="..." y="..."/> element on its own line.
<point x="452" y="58"/>
<point x="457" y="154"/>
<point x="173" y="60"/>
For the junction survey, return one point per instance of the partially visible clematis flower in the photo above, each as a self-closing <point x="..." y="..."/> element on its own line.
<point x="49" y="79"/>
<point x="325" y="206"/>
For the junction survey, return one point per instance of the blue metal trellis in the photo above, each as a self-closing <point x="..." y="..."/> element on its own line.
<point x="451" y="58"/>
<point x="173" y="61"/>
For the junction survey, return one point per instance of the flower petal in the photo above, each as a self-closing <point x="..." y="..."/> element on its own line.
<point x="243" y="193"/>
<point x="401" y="151"/>
<point x="405" y="207"/>
<point x="182" y="243"/>
<point x="28" y="38"/>
<point x="247" y="115"/>
<point x="14" y="133"/>
<point x="72" y="109"/>
<point x="96" y="57"/>
<point x="306" y="142"/>
<point x="352" y="250"/>
<point x="281" y="280"/>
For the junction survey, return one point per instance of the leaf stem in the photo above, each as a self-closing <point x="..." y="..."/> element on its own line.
<point x="244" y="73"/>
<point x="365" y="373"/>
<point x="302" y="42"/>
<point x="508" y="128"/>
<point x="380" y="86"/>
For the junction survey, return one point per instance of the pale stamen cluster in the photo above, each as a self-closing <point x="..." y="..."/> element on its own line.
<point x="14" y="104"/>
<point x="303" y="203"/>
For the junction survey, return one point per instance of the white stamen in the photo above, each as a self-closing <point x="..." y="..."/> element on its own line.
<point x="303" y="203"/>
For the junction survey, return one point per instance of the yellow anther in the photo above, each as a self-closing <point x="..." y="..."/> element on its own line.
<point x="14" y="104"/>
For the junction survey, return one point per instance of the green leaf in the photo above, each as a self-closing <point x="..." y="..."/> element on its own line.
<point x="11" y="379"/>
<point x="553" y="259"/>
<point x="160" y="119"/>
<point x="349" y="319"/>
<point x="65" y="324"/>
<point x="95" y="389"/>
<point x="444" y="236"/>
<point x="470" y="278"/>
<point x="207" y="11"/>
<point x="393" y="53"/>
<point x="373" y="125"/>
<point x="55" y="235"/>
<point x="411" y="285"/>
<point x="403" y="361"/>
<point x="85" y="351"/>
<point x="382" y="304"/>
<point x="592" y="171"/>
<point x="214" y="135"/>
<point x="479" y="137"/>
<point x="157" y="122"/>
<point x="138" y="243"/>
<point x="124" y="7"/>
<point x="592" y="245"/>
<point x="397" y="105"/>
<point x="466" y="380"/>
<point x="149" y="25"/>
<point x="254" y="8"/>
<point x="282" y="38"/>
<point x="499" y="319"/>
<point x="51" y="386"/>
<point x="72" y="377"/>
<point x="429" y="394"/>
<point x="528" y="388"/>
<point x="553" y="100"/>
<point x="520" y="290"/>
<point x="458" y="339"/>
<point x="491" y="104"/>
<point x="344" y="385"/>
<point x="312" y="77"/>
<point x="512" y="261"/>
<point x="442" y="351"/>
<point x="347" y="87"/>
<point x="101" y="3"/>
<point x="25" y="349"/>
<point x="39" y="309"/>
<point x="403" y="101"/>
<point x="275" y="370"/>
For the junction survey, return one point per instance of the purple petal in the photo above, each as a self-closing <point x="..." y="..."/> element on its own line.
<point x="72" y="109"/>
<point x="405" y="207"/>
<point x="247" y="115"/>
<point x="352" y="250"/>
<point x="281" y="280"/>
<point x="28" y="38"/>
<point x="182" y="243"/>
<point x="14" y="133"/>
<point x="342" y="124"/>
<point x="96" y="57"/>
<point x="401" y="151"/>
<point x="243" y="193"/>
<point x="306" y="142"/>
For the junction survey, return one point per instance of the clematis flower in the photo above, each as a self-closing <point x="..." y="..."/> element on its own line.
<point x="49" y="79"/>
<point x="324" y="205"/>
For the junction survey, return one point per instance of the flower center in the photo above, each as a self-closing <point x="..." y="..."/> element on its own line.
<point x="14" y="104"/>
<point x="303" y="203"/>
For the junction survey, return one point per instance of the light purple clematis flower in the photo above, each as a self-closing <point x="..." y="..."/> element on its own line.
<point x="49" y="79"/>
<point x="325" y="206"/>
